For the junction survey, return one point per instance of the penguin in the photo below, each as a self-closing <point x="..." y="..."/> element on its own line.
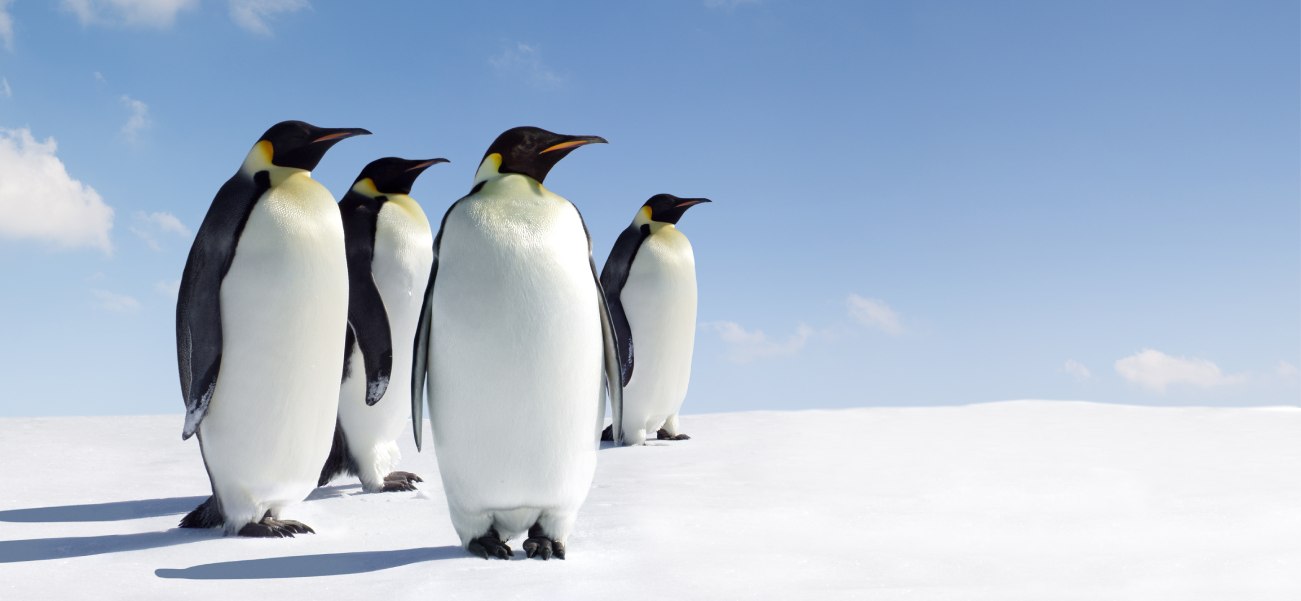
<point x="515" y="345"/>
<point x="650" y="286"/>
<point x="390" y="252"/>
<point x="261" y="315"/>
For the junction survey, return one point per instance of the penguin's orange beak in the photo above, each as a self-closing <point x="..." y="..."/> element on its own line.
<point x="574" y="142"/>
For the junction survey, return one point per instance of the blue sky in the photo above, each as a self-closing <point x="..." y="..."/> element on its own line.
<point x="915" y="202"/>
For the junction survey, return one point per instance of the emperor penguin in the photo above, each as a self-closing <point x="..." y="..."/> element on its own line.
<point x="261" y="315"/>
<point x="650" y="285"/>
<point x="390" y="251"/>
<point x="514" y="342"/>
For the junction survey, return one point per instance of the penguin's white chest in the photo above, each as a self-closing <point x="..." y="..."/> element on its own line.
<point x="659" y="299"/>
<point x="284" y="306"/>
<point x="516" y="351"/>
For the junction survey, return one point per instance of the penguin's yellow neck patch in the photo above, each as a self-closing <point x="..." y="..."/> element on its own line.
<point x="488" y="169"/>
<point x="366" y="187"/>
<point x="259" y="159"/>
<point x="644" y="218"/>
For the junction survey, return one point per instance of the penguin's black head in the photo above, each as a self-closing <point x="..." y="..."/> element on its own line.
<point x="301" y="145"/>
<point x="533" y="151"/>
<point x="391" y="175"/>
<point x="667" y="208"/>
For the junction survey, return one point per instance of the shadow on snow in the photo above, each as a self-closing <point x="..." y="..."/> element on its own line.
<point x="39" y="549"/>
<point x="134" y="510"/>
<point x="103" y="512"/>
<point x="311" y="566"/>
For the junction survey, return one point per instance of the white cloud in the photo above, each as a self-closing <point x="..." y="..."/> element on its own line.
<point x="99" y="77"/>
<point x="253" y="15"/>
<point x="874" y="313"/>
<point x="6" y="25"/>
<point x="1286" y="370"/>
<point x="166" y="222"/>
<point x="523" y="59"/>
<point x="159" y="14"/>
<point x="1077" y="370"/>
<point x="117" y="303"/>
<point x="5" y="90"/>
<point x="148" y="224"/>
<point x="746" y="345"/>
<point x="138" y="121"/>
<point x="168" y="288"/>
<point x="40" y="201"/>
<point x="1155" y="370"/>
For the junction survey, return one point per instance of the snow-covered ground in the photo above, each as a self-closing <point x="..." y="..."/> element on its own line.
<point x="1019" y="500"/>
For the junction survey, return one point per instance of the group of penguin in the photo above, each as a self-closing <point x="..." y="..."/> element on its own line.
<point x="296" y="312"/>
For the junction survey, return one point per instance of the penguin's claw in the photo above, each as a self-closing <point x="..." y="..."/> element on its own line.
<point x="272" y="528"/>
<point x="407" y="476"/>
<point x="400" y="481"/>
<point x="664" y="435"/>
<point x="539" y="544"/>
<point x="397" y="486"/>
<point x="490" y="544"/>
<point x="540" y="547"/>
<point x="294" y="526"/>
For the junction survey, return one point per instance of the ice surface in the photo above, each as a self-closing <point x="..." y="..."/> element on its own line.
<point x="1020" y="500"/>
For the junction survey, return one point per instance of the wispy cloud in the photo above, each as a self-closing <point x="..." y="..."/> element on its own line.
<point x="146" y="225"/>
<point x="5" y="90"/>
<point x="1156" y="371"/>
<point x="138" y="121"/>
<point x="874" y="313"/>
<point x="6" y="25"/>
<point x="1286" y="370"/>
<point x="254" y="15"/>
<point x="745" y="345"/>
<point x="99" y="77"/>
<point x="40" y="201"/>
<point x="117" y="303"/>
<point x="158" y="14"/>
<point x="524" y="60"/>
<point x="168" y="288"/>
<point x="1077" y="370"/>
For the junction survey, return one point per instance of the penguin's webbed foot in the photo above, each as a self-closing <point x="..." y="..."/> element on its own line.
<point x="607" y="435"/>
<point x="400" y="481"/>
<point x="539" y="545"/>
<point x="271" y="527"/>
<point x="490" y="544"/>
<point x="664" y="435"/>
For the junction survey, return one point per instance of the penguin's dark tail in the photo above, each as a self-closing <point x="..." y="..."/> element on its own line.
<point x="206" y="515"/>
<point x="340" y="460"/>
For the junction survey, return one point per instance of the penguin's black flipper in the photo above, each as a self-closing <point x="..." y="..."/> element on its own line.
<point x="613" y="384"/>
<point x="366" y="313"/>
<point x="198" y="303"/>
<point x="613" y="276"/>
<point x="613" y="350"/>
<point x="420" y="356"/>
